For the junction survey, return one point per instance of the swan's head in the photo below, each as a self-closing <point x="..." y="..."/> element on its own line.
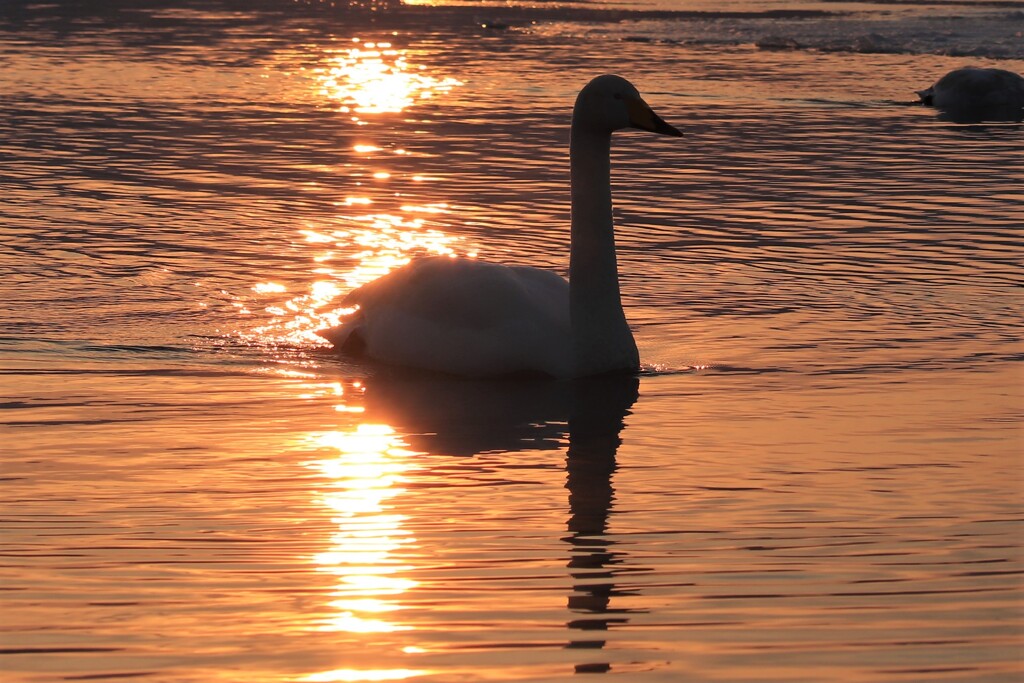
<point x="610" y="103"/>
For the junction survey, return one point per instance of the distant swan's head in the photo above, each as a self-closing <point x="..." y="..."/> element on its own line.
<point x="610" y="103"/>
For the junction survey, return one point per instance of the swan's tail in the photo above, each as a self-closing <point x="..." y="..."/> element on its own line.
<point x="346" y="337"/>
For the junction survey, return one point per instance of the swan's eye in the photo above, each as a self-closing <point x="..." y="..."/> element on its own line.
<point x="617" y="96"/>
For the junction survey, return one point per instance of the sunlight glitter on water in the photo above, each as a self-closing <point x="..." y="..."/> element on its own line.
<point x="374" y="245"/>
<point x="369" y="78"/>
<point x="377" y="78"/>
<point x="365" y="475"/>
<point x="354" y="676"/>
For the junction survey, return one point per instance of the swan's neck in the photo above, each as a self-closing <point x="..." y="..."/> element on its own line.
<point x="602" y="341"/>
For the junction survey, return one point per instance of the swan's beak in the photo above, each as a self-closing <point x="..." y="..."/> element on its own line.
<point x="643" y="117"/>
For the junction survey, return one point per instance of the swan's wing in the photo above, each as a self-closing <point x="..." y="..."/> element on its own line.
<point x="462" y="316"/>
<point x="461" y="292"/>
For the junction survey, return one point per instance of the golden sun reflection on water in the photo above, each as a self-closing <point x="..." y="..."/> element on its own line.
<point x="353" y="675"/>
<point x="370" y="462"/>
<point x="377" y="78"/>
<point x="368" y="246"/>
<point x="355" y="248"/>
<point x="364" y="553"/>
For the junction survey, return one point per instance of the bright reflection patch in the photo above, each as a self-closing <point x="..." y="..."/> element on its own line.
<point x="364" y="241"/>
<point x="367" y="245"/>
<point x="268" y="288"/>
<point x="356" y="675"/>
<point x="364" y="554"/>
<point x="376" y="78"/>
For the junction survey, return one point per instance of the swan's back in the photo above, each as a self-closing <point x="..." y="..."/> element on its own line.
<point x="464" y="317"/>
<point x="974" y="93"/>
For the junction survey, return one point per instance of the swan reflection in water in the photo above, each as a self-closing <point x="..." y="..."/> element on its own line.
<point x="452" y="416"/>
<point x="594" y="437"/>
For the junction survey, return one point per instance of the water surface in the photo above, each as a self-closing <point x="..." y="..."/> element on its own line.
<point x="817" y="477"/>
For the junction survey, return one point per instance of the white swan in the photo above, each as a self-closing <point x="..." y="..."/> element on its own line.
<point x="973" y="94"/>
<point x="466" y="317"/>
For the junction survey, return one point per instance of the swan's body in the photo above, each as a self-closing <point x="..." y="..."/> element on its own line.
<point x="463" y="317"/>
<point x="975" y="94"/>
<point x="467" y="317"/>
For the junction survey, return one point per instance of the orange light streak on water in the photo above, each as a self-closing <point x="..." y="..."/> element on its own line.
<point x="365" y="474"/>
<point x="369" y="78"/>
<point x="370" y="246"/>
<point x="268" y="287"/>
<point x="376" y="78"/>
<point x="355" y="675"/>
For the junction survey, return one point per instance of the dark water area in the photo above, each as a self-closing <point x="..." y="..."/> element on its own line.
<point x="817" y="476"/>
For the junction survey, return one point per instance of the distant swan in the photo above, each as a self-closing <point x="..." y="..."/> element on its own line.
<point x="465" y="317"/>
<point x="974" y="94"/>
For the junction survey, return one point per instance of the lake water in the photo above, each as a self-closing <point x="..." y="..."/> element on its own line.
<point x="816" y="478"/>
